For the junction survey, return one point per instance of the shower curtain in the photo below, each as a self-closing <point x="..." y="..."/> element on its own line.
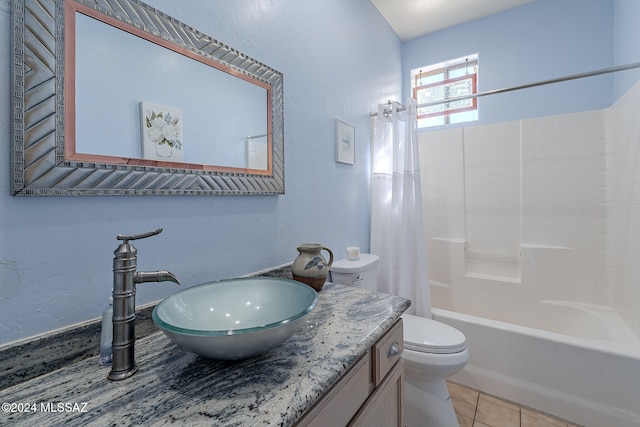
<point x="397" y="230"/>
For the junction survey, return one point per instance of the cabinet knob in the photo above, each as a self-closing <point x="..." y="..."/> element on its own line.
<point x="394" y="350"/>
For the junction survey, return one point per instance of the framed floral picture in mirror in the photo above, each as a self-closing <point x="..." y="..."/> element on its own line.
<point x="161" y="128"/>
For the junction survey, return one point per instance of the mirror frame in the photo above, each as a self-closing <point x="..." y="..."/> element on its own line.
<point x="40" y="162"/>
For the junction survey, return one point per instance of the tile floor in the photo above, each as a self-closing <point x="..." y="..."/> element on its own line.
<point x="476" y="409"/>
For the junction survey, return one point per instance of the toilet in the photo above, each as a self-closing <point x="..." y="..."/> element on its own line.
<point x="433" y="351"/>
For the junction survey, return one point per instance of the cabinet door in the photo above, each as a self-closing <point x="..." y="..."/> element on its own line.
<point x="385" y="406"/>
<point x="343" y="400"/>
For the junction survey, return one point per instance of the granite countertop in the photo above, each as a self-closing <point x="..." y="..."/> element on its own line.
<point x="174" y="386"/>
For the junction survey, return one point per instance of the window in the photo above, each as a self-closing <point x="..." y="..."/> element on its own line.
<point x="443" y="81"/>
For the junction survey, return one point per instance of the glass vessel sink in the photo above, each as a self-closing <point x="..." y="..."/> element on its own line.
<point x="235" y="318"/>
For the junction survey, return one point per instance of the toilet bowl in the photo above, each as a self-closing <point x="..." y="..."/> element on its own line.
<point x="432" y="352"/>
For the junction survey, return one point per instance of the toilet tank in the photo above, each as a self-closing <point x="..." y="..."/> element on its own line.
<point x="362" y="273"/>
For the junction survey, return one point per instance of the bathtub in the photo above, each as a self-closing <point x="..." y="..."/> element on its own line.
<point x="577" y="361"/>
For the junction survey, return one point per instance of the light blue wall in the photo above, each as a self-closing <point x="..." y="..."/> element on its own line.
<point x="540" y="40"/>
<point x="626" y="48"/>
<point x="339" y="59"/>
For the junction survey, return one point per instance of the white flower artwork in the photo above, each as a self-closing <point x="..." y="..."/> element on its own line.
<point x="161" y="132"/>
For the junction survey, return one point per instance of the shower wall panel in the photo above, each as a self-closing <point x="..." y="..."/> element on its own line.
<point x="528" y="201"/>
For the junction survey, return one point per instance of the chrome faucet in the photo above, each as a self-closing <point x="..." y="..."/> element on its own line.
<point x="125" y="278"/>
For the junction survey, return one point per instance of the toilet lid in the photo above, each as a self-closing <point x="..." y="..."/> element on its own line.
<point x="429" y="336"/>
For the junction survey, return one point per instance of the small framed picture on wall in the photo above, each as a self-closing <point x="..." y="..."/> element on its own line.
<point x="345" y="142"/>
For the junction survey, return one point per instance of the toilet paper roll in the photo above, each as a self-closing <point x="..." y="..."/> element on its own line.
<point x="353" y="253"/>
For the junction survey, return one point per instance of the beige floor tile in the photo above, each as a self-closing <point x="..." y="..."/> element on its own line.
<point x="499" y="402"/>
<point x="531" y="418"/>
<point x="465" y="400"/>
<point x="497" y="413"/>
<point x="475" y="409"/>
<point x="464" y="421"/>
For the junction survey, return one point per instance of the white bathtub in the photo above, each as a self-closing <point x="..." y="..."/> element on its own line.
<point x="575" y="361"/>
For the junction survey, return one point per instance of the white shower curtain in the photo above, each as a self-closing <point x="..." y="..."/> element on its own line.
<point x="397" y="230"/>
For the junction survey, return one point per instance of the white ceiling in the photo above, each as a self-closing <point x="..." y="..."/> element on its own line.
<point x="413" y="18"/>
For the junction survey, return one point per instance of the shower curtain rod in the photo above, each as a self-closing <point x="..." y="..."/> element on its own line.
<point x="530" y="85"/>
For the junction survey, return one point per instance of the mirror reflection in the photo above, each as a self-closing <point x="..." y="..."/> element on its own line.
<point x="136" y="99"/>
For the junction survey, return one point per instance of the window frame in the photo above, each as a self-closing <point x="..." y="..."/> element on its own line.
<point x="474" y="101"/>
<point x="446" y="70"/>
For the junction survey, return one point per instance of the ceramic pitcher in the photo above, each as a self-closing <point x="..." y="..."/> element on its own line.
<point x="310" y="267"/>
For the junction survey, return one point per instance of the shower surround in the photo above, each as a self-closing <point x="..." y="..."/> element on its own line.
<point x="544" y="210"/>
<point x="548" y="205"/>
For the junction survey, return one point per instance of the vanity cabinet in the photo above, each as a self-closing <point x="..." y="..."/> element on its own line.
<point x="370" y="393"/>
<point x="352" y="331"/>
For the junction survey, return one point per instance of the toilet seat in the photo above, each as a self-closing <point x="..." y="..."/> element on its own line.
<point x="429" y="336"/>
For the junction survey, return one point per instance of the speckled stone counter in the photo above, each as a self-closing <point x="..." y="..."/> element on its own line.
<point x="174" y="386"/>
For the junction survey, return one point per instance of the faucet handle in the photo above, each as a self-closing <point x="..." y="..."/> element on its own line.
<point x="128" y="237"/>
